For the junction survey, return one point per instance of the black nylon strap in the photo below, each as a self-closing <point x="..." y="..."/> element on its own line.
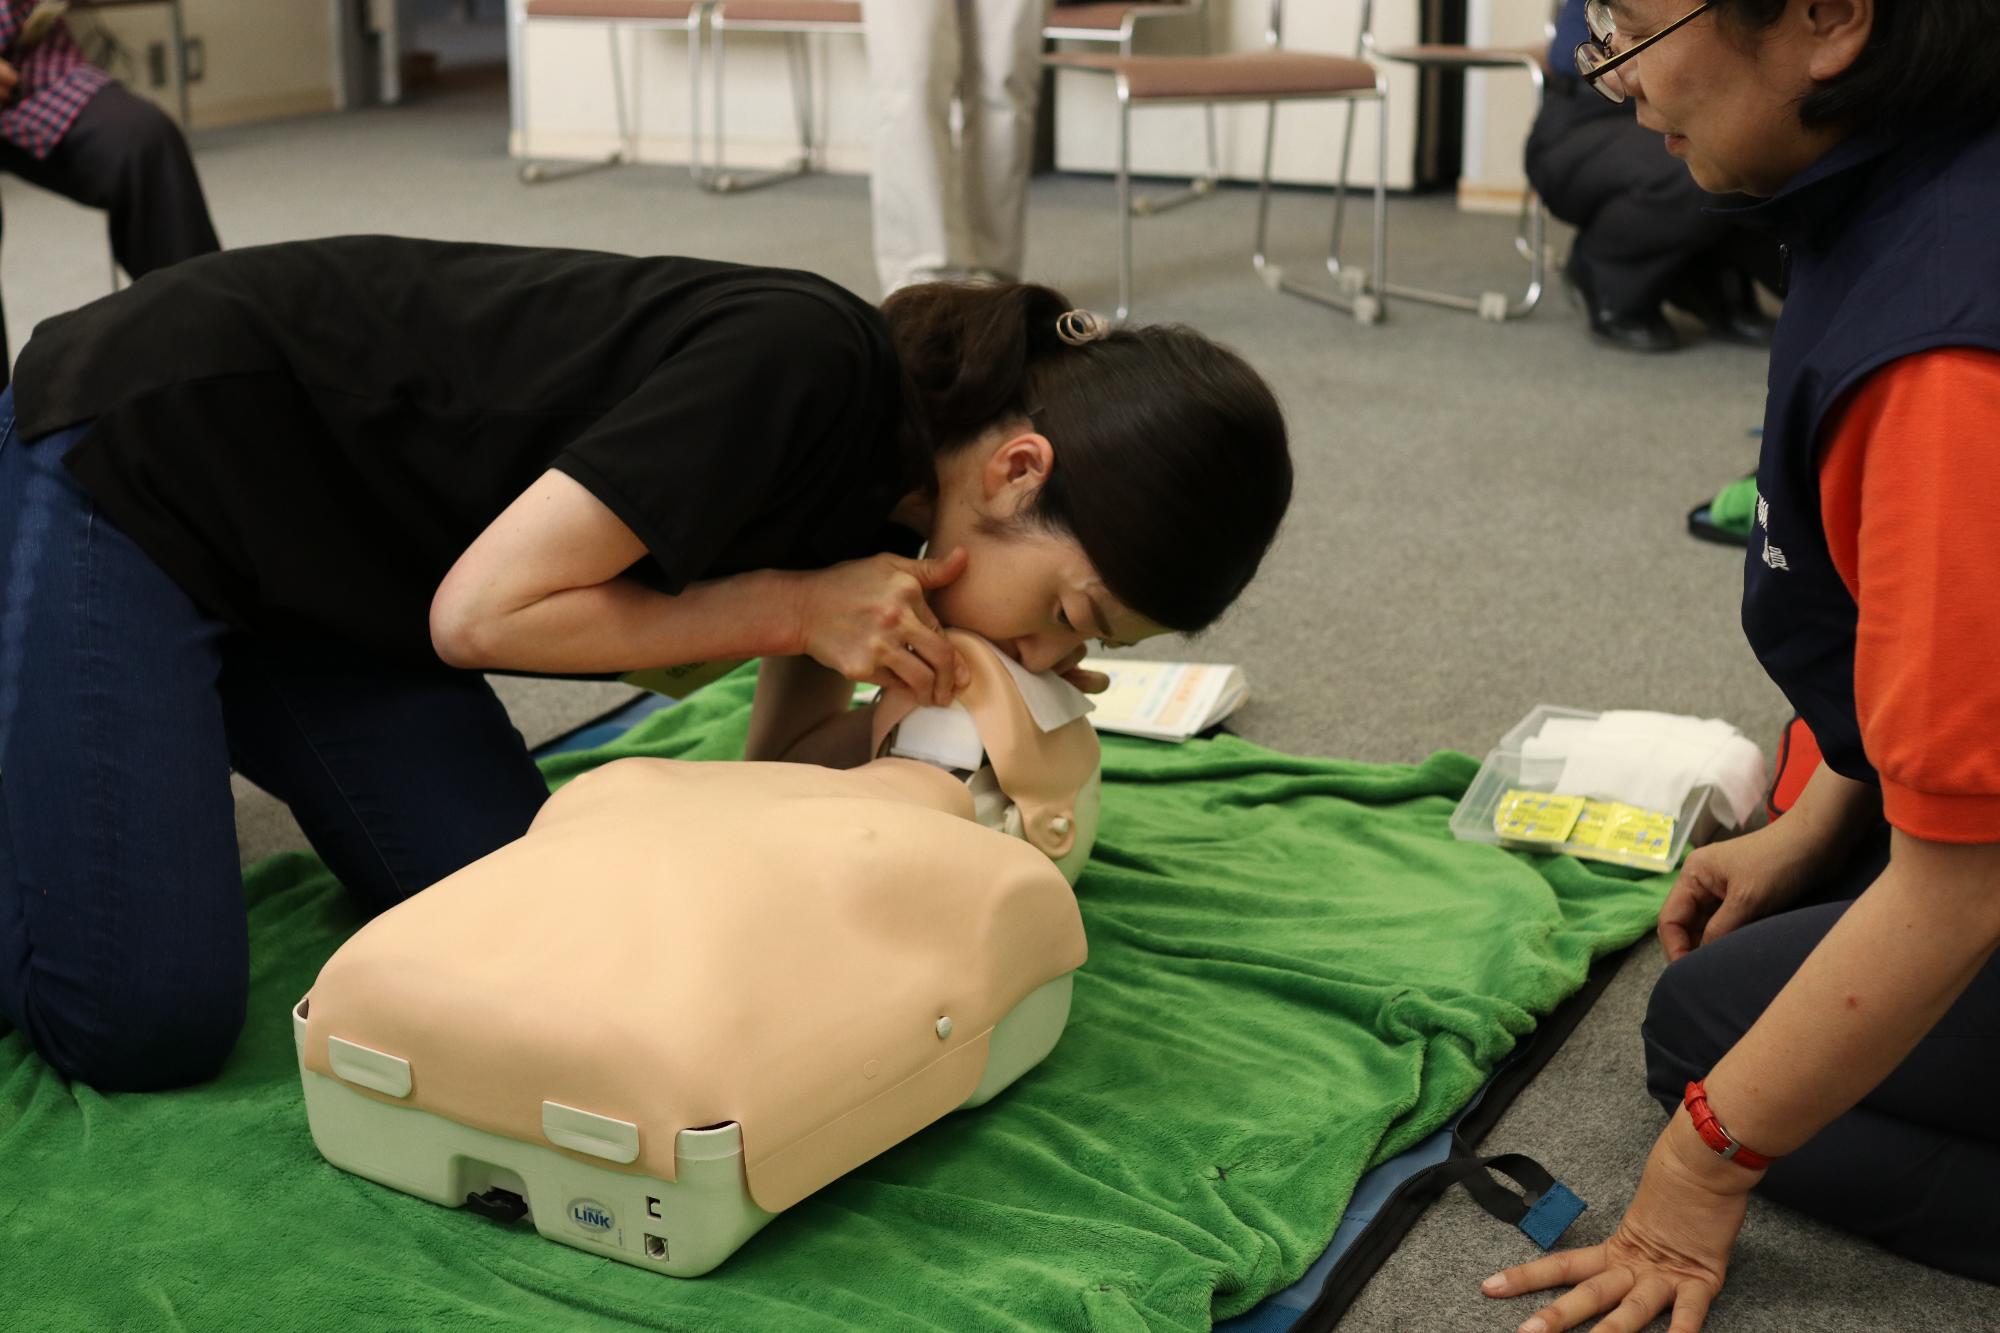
<point x="1476" y="1174"/>
<point x="1372" y="1248"/>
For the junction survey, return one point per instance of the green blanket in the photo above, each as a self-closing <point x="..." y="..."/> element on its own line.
<point x="1294" y="973"/>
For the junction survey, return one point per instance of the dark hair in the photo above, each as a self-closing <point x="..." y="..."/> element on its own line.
<point x="1928" y="64"/>
<point x="1172" y="468"/>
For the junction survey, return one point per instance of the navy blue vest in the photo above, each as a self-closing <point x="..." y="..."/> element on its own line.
<point x="1893" y="248"/>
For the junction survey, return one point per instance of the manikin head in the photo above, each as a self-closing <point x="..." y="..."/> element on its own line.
<point x="1020" y="743"/>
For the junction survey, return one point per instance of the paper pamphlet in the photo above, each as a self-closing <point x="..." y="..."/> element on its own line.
<point x="1166" y="701"/>
<point x="678" y="682"/>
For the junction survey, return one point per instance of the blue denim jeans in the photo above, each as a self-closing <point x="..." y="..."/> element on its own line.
<point x="123" y="708"/>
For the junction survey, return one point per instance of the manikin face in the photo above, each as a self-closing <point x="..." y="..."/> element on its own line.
<point x="1726" y="98"/>
<point x="1031" y="592"/>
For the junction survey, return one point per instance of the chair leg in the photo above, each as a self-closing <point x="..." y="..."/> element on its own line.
<point x="539" y="173"/>
<point x="1373" y="306"/>
<point x="628" y="113"/>
<point x="1365" y="306"/>
<point x="805" y="108"/>
<point x="1201" y="186"/>
<point x="1124" y="206"/>
<point x="694" y="39"/>
<point x="721" y="180"/>
<point x="1349" y="280"/>
<point x="1208" y="114"/>
<point x="1530" y="241"/>
<point x="1260" y="251"/>
<point x="1538" y="258"/>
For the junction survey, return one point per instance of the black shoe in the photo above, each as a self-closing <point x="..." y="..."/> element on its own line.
<point x="1647" y="331"/>
<point x="1744" y="319"/>
<point x="1726" y="301"/>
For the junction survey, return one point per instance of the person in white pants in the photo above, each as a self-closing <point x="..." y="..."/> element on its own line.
<point x="952" y="206"/>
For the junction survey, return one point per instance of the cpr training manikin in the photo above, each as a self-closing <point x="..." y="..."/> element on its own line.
<point x="693" y="993"/>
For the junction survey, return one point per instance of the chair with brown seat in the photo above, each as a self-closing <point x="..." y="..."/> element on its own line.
<point x="1117" y="23"/>
<point x="687" y="16"/>
<point x="797" y="21"/>
<point x="1492" y="305"/>
<point x="1272" y="75"/>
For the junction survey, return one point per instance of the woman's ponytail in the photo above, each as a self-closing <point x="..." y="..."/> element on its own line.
<point x="966" y="351"/>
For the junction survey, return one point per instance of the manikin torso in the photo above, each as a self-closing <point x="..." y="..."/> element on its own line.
<point x="816" y="955"/>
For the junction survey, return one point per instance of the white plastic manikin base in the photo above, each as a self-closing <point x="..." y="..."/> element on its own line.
<point x="682" y="1227"/>
<point x="808" y="967"/>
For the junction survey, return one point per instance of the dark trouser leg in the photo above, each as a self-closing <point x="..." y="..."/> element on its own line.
<point x="1637" y="211"/>
<point x="123" y="948"/>
<point x="399" y="776"/>
<point x="123" y="952"/>
<point x="125" y="156"/>
<point x="1916" y="1166"/>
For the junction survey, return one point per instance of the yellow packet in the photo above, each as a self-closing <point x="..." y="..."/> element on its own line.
<point x="1616" y="830"/>
<point x="1536" y="817"/>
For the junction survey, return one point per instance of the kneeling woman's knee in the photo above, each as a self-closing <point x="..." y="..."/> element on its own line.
<point x="1679" y="1031"/>
<point x="168" y="1034"/>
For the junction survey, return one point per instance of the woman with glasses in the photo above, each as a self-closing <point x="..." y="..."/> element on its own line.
<point x="1829" y="1030"/>
<point x="278" y="509"/>
<point x="1645" y="235"/>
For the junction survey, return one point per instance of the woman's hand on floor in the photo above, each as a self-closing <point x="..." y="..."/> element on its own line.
<point x="868" y="620"/>
<point x="1670" y="1251"/>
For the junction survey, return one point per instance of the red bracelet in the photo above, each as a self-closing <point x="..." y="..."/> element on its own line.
<point x="1714" y="1135"/>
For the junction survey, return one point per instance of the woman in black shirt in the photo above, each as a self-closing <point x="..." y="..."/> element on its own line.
<point x="276" y="509"/>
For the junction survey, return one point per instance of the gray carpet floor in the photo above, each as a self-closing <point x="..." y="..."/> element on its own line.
<point x="1488" y="517"/>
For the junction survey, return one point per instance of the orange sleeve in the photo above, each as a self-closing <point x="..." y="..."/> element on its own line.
<point x="1910" y="496"/>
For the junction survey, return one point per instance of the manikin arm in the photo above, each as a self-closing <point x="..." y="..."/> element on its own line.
<point x="802" y="715"/>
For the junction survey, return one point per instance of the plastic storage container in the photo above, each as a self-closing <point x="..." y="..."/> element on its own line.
<point x="1501" y="773"/>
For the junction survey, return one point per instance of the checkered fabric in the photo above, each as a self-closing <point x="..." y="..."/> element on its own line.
<point x="55" y="83"/>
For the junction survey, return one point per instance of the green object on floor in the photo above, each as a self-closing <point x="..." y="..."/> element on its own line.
<point x="1727" y="519"/>
<point x="1734" y="508"/>
<point x="1294" y="973"/>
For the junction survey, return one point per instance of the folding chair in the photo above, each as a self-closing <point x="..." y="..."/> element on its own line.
<point x="1110" y="21"/>
<point x="1273" y="75"/>
<point x="1529" y="240"/>
<point x="797" y="20"/>
<point x="686" y="16"/>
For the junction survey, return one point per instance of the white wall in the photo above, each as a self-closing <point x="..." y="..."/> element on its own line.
<point x="563" y="107"/>
<point x="258" y="60"/>
<point x="563" y="98"/>
<point x="1171" y="141"/>
<point x="1499" y="106"/>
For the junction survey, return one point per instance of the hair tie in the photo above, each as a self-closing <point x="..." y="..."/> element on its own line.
<point x="1077" y="327"/>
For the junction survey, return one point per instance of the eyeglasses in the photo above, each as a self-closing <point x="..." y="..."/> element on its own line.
<point x="1598" y="59"/>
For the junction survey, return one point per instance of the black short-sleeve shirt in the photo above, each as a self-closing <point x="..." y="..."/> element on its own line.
<point x="306" y="436"/>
